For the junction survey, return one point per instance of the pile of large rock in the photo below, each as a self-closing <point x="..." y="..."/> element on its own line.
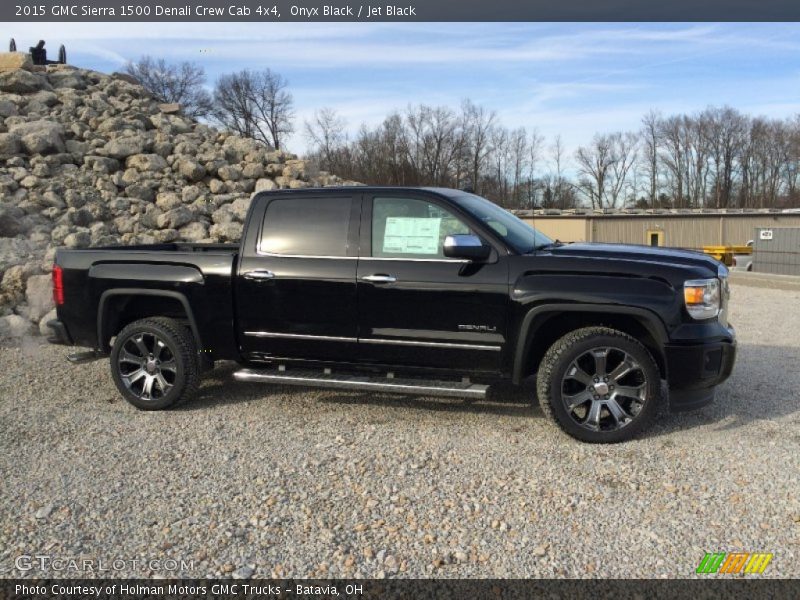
<point x="92" y="159"/>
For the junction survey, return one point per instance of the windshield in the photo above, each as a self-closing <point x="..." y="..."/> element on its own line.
<point x="519" y="235"/>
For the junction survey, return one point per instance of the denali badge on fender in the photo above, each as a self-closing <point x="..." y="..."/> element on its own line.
<point x="487" y="328"/>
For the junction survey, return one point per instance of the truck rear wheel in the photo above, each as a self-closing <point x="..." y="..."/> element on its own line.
<point x="599" y="385"/>
<point x="154" y="363"/>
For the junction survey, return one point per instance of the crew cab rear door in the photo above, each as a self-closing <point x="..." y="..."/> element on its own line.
<point x="296" y="285"/>
<point x="417" y="307"/>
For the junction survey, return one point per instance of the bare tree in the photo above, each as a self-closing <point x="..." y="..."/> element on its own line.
<point x="535" y="147"/>
<point x="559" y="193"/>
<point x="726" y="131"/>
<point x="594" y="162"/>
<point x="255" y="104"/>
<point x="499" y="140"/>
<point x="477" y="123"/>
<point x="181" y="83"/>
<point x="518" y="155"/>
<point x="650" y="137"/>
<point x="718" y="157"/>
<point x="624" y="147"/>
<point x="326" y="133"/>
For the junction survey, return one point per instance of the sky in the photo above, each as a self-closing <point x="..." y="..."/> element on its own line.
<point x="558" y="78"/>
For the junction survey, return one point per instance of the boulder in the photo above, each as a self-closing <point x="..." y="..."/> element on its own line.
<point x="168" y="200"/>
<point x="8" y="109"/>
<point x="22" y="82"/>
<point x="216" y="186"/>
<point x="123" y="147"/>
<point x="39" y="296"/>
<point x="41" y="102"/>
<point x="43" y="328"/>
<point x="79" y="239"/>
<point x="146" y="162"/>
<point x="222" y="215"/>
<point x="143" y="192"/>
<point x="177" y="217"/>
<point x="236" y="148"/>
<point x="265" y="185"/>
<point x="229" y="173"/>
<point x="170" y="108"/>
<point x="67" y="79"/>
<point x="11" y="220"/>
<point x="125" y="77"/>
<point x="194" y="231"/>
<point x="253" y="171"/>
<point x="190" y="193"/>
<point x="9" y="145"/>
<point x="15" y="327"/>
<point x="101" y="164"/>
<point x="239" y="208"/>
<point x="11" y="61"/>
<point x="226" y="232"/>
<point x="40" y="137"/>
<point x="80" y="217"/>
<point x="14" y="280"/>
<point x="191" y="170"/>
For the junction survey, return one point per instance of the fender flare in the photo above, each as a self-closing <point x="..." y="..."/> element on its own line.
<point x="649" y="319"/>
<point x="101" y="309"/>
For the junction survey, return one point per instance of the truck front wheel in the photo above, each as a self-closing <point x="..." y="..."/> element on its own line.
<point x="599" y="385"/>
<point x="154" y="363"/>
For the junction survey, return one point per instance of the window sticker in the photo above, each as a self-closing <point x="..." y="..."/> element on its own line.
<point x="411" y="235"/>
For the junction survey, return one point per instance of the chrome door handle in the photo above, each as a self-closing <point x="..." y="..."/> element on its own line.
<point x="259" y="274"/>
<point x="379" y="278"/>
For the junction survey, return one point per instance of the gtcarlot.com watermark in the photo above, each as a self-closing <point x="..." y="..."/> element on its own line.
<point x="57" y="564"/>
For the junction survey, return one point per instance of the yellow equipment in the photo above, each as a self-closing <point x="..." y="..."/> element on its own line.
<point x="724" y="254"/>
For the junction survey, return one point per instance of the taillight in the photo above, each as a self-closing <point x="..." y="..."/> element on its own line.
<point x="58" y="285"/>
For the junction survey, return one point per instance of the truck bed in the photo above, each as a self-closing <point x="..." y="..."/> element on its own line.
<point x="193" y="281"/>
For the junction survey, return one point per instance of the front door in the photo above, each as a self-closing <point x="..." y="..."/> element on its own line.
<point x="416" y="307"/>
<point x="296" y="286"/>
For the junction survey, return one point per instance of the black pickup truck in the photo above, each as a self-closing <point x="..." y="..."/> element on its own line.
<point x="422" y="291"/>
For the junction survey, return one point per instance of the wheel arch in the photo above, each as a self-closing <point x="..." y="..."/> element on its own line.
<point x="151" y="304"/>
<point x="546" y="323"/>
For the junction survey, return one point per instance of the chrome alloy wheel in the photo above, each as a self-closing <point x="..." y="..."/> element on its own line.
<point x="604" y="389"/>
<point x="147" y="366"/>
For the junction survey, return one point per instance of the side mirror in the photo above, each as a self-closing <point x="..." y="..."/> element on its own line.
<point x="466" y="246"/>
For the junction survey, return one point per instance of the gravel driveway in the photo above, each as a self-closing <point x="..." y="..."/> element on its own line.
<point x="270" y="481"/>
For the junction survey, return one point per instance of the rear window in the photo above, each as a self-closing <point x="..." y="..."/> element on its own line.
<point x="306" y="227"/>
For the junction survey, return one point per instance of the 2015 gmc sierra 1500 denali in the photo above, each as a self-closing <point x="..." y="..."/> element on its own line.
<point x="425" y="291"/>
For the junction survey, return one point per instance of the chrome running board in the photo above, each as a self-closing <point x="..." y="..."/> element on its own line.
<point x="377" y="383"/>
<point x="79" y="358"/>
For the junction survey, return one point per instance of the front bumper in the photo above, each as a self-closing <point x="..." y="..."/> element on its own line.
<point x="694" y="370"/>
<point x="59" y="333"/>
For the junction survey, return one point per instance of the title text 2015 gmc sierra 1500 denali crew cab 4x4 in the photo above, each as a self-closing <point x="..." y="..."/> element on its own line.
<point x="412" y="290"/>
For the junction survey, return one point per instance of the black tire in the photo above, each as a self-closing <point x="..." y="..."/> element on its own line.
<point x="166" y="354"/>
<point x="599" y="346"/>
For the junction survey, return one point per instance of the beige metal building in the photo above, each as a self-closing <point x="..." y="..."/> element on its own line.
<point x="682" y="229"/>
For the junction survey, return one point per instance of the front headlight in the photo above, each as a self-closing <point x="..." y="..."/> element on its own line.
<point x="702" y="298"/>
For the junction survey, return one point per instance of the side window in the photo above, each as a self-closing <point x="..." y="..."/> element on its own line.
<point x="306" y="227"/>
<point x="407" y="227"/>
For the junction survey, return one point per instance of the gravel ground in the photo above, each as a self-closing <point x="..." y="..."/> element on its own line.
<point x="269" y="481"/>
